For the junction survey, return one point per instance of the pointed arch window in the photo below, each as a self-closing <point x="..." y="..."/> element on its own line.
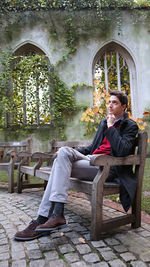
<point x="114" y="69"/>
<point x="31" y="86"/>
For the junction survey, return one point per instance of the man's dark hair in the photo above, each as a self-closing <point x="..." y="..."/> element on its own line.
<point x="121" y="96"/>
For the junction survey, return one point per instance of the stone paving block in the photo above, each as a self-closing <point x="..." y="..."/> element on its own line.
<point x="34" y="254"/>
<point x="4" y="264"/>
<point x="77" y="227"/>
<point x="65" y="230"/>
<point x="98" y="244"/>
<point x="32" y="246"/>
<point x="3" y="241"/>
<point x="137" y="264"/>
<point x="7" y="225"/>
<point x="128" y="256"/>
<point x="120" y="248"/>
<point x="145" y="256"/>
<point x="4" y="256"/>
<point x="91" y="258"/>
<point x="36" y="263"/>
<point x="145" y="233"/>
<point x="21" y="263"/>
<point x="18" y="256"/>
<point x="17" y="246"/>
<point x="87" y="237"/>
<point x="3" y="235"/>
<point x="77" y="240"/>
<point x="79" y="264"/>
<point x="66" y="248"/>
<point x="44" y="239"/>
<point x="4" y="248"/>
<point x="71" y="257"/>
<point x="47" y="246"/>
<point x="54" y="234"/>
<point x="51" y="255"/>
<point x="55" y="263"/>
<point x="108" y="255"/>
<point x="72" y="234"/>
<point x="146" y="226"/>
<point x="83" y="249"/>
<point x="104" y="249"/>
<point x="100" y="264"/>
<point x="117" y="263"/>
<point x="2" y="217"/>
<point x="111" y="241"/>
<point x="137" y="230"/>
<point x="60" y="241"/>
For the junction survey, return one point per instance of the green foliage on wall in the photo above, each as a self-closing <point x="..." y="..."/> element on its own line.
<point x="30" y="89"/>
<point x="57" y="100"/>
<point x="23" y="5"/>
<point x="74" y="23"/>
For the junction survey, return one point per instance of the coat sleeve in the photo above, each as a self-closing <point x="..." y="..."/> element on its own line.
<point x="122" y="144"/>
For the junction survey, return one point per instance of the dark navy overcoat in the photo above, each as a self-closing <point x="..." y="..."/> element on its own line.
<point x="122" y="140"/>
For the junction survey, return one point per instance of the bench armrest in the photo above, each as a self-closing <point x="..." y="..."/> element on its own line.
<point x="105" y="161"/>
<point x="102" y="160"/>
<point x="40" y="157"/>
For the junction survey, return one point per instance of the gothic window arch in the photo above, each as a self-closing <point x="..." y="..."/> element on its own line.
<point x="31" y="86"/>
<point x="114" y="69"/>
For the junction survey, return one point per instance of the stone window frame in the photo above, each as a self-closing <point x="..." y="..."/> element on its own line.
<point x="126" y="55"/>
<point x="29" y="48"/>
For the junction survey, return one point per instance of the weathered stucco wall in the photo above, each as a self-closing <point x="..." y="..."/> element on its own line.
<point x="39" y="28"/>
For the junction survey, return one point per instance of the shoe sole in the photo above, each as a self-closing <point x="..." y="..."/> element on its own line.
<point x="28" y="238"/>
<point x="51" y="229"/>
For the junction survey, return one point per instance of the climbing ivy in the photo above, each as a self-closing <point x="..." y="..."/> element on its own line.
<point x="57" y="101"/>
<point x="31" y="5"/>
<point x="27" y="83"/>
<point x="72" y="28"/>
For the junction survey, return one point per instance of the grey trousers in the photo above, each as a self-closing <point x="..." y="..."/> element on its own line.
<point x="69" y="162"/>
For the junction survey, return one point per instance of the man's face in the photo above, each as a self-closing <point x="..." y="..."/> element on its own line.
<point x="115" y="107"/>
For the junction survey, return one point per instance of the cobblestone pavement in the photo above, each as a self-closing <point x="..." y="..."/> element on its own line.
<point x="72" y="246"/>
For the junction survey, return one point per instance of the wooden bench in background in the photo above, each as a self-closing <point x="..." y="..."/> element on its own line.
<point x="8" y="158"/>
<point x="97" y="189"/>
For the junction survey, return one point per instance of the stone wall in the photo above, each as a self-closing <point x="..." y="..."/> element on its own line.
<point x="46" y="31"/>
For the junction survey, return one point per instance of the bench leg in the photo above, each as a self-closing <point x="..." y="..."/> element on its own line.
<point x="97" y="209"/>
<point x="27" y="178"/>
<point x="19" y="182"/>
<point x="97" y="217"/>
<point x="10" y="179"/>
<point x="136" y="211"/>
<point x="45" y="184"/>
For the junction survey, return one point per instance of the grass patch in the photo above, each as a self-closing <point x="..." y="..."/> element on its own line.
<point x="4" y="178"/>
<point x="146" y="181"/>
<point x="145" y="204"/>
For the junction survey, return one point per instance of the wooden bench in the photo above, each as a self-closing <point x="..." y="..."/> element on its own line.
<point x="8" y="158"/>
<point x="40" y="159"/>
<point x="99" y="188"/>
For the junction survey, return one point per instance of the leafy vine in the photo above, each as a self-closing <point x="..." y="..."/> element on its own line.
<point x="34" y="82"/>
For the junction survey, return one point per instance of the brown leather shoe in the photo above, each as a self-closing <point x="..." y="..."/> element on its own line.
<point x="28" y="233"/>
<point x="54" y="223"/>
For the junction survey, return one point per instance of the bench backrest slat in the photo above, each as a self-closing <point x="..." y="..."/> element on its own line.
<point x="25" y="145"/>
<point x="74" y="144"/>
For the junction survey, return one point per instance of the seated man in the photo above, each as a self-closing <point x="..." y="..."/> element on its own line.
<point x="115" y="136"/>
